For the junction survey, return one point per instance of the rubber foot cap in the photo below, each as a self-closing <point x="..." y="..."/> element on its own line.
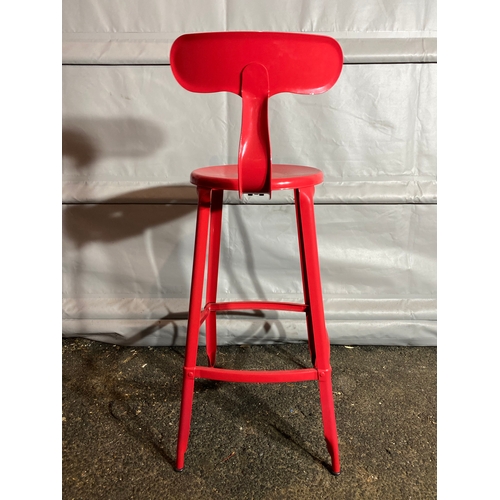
<point x="178" y="470"/>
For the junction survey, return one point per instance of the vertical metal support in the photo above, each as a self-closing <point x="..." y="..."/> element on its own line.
<point x="213" y="272"/>
<point x="305" y="284"/>
<point x="254" y="155"/>
<point x="193" y="327"/>
<point x="321" y="341"/>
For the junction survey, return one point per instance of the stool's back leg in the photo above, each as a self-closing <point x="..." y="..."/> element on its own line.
<point x="321" y="340"/>
<point x="213" y="272"/>
<point x="193" y="327"/>
<point x="305" y="284"/>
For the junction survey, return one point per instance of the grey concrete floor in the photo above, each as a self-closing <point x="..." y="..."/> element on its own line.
<point x="248" y="441"/>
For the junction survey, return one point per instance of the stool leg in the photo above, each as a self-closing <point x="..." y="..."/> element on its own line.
<point x="193" y="327"/>
<point x="307" y="225"/>
<point x="305" y="284"/>
<point x="328" y="413"/>
<point x="213" y="272"/>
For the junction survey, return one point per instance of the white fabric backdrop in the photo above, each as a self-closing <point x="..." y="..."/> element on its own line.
<point x="131" y="136"/>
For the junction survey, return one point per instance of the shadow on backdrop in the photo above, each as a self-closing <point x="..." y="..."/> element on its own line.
<point x="84" y="142"/>
<point x="88" y="140"/>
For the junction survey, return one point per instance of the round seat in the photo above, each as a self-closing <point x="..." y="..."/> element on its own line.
<point x="282" y="177"/>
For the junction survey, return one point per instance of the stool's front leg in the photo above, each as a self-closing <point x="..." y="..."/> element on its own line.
<point x="312" y="275"/>
<point x="193" y="327"/>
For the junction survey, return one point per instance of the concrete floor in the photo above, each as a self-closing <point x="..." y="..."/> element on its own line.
<point x="248" y="441"/>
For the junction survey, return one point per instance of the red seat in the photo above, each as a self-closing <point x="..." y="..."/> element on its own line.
<point x="282" y="177"/>
<point x="255" y="66"/>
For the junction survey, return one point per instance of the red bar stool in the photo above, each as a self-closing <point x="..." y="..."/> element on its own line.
<point x="256" y="66"/>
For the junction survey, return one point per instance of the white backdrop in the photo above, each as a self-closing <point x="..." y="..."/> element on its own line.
<point x="131" y="136"/>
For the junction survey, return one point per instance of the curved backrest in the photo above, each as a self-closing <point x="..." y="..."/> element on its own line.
<point x="256" y="66"/>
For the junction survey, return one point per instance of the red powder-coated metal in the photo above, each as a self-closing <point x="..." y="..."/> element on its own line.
<point x="256" y="66"/>
<point x="295" y="62"/>
<point x="257" y="304"/>
<point x="256" y="376"/>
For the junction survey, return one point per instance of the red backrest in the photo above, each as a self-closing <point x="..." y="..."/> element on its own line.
<point x="256" y="66"/>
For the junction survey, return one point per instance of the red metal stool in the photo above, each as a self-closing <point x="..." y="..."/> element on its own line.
<point x="256" y="66"/>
